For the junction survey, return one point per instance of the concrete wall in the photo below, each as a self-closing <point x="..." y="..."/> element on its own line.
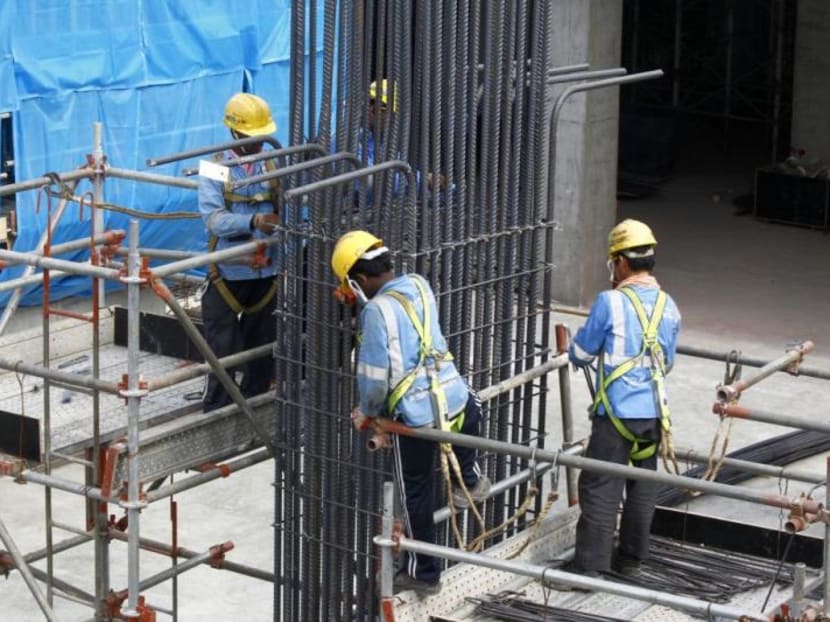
<point x="586" y="151"/>
<point x="811" y="87"/>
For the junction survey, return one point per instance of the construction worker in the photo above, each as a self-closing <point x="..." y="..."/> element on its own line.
<point x="633" y="329"/>
<point x="405" y="371"/>
<point x="238" y="302"/>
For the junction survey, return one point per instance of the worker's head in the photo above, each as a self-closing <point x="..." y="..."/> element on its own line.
<point x="248" y="115"/>
<point x="630" y="249"/>
<point x="362" y="264"/>
<point x="379" y="101"/>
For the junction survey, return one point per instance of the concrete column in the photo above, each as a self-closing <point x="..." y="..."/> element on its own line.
<point x="586" y="155"/>
<point x="811" y="89"/>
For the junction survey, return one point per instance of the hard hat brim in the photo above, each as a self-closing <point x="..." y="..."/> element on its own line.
<point x="265" y="130"/>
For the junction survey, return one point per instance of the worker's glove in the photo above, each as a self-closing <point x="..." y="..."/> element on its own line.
<point x="267" y="223"/>
<point x="359" y="420"/>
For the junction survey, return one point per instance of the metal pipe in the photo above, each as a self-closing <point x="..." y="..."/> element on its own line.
<point x="547" y="575"/>
<point x="46" y="263"/>
<point x="45" y="236"/>
<point x="153" y="178"/>
<point x="39" y="182"/>
<point x="792" y="421"/>
<point x="159" y="253"/>
<point x="387" y="568"/>
<point x="194" y="371"/>
<point x="133" y="394"/>
<point x="508" y="384"/>
<point x="442" y="514"/>
<point x="26" y="572"/>
<point x="276" y="153"/>
<point x="353" y="176"/>
<point x="220" y="470"/>
<point x="756" y="468"/>
<point x="562" y="344"/>
<point x="716" y="355"/>
<point x="79" y="380"/>
<point x="192" y="153"/>
<point x="25" y="281"/>
<point x="215" y="257"/>
<point x="221" y="373"/>
<point x="50" y="481"/>
<point x="616" y="470"/>
<point x="182" y="567"/>
<point x="296" y="168"/>
<point x="790" y="362"/>
<point x="558" y="71"/>
<point x="162" y="548"/>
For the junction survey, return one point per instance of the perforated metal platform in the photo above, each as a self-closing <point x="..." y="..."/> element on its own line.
<point x="175" y="434"/>
<point x="464" y="584"/>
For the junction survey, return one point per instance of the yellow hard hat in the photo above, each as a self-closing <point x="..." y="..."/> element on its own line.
<point x="629" y="234"/>
<point x="349" y="248"/>
<point x="382" y="94"/>
<point x="250" y="115"/>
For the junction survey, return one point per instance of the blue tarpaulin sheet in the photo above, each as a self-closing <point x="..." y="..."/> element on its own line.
<point x="156" y="75"/>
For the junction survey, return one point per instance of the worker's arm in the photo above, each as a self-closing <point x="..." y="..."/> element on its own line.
<point x="220" y="221"/>
<point x="373" y="362"/>
<point x="590" y="338"/>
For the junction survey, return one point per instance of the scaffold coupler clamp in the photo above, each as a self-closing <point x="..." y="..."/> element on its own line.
<point x="803" y="347"/>
<point x="217" y="553"/>
<point x="6" y="563"/>
<point x="799" y="518"/>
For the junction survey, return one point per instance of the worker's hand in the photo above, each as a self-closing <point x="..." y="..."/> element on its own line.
<point x="359" y="420"/>
<point x="267" y="223"/>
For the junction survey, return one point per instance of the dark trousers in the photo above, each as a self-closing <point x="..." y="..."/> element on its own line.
<point x="415" y="468"/>
<point x="227" y="333"/>
<point x="600" y="495"/>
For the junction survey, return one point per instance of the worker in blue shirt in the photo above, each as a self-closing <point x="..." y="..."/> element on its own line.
<point x="238" y="302"/>
<point x="633" y="329"/>
<point x="405" y="371"/>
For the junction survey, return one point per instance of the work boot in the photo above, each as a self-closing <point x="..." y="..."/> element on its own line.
<point x="403" y="581"/>
<point x="479" y="493"/>
<point x="627" y="565"/>
<point x="574" y="568"/>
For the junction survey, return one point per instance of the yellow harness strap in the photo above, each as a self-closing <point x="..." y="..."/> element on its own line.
<point x="215" y="276"/>
<point x="652" y="347"/>
<point x="429" y="358"/>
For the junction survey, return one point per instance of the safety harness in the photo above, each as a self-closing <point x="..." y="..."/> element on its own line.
<point x="641" y="448"/>
<point x="428" y="358"/>
<point x="230" y="197"/>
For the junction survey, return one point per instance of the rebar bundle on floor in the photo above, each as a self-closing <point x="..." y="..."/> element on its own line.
<point x="511" y="607"/>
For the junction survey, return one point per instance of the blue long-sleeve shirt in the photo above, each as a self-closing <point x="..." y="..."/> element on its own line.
<point x="613" y="328"/>
<point x="390" y="349"/>
<point x="232" y="225"/>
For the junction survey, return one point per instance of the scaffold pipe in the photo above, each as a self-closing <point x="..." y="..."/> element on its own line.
<point x="792" y="421"/>
<point x="547" y="575"/>
<point x="215" y="257"/>
<point x="194" y="371"/>
<point x="488" y="393"/>
<point x="26" y="573"/>
<point x="78" y="380"/>
<point x="562" y="343"/>
<point x="756" y="468"/>
<point x="350" y="176"/>
<point x="617" y="470"/>
<point x="38" y="182"/>
<point x="49" y="263"/>
<point x="790" y="361"/>
<point x="220" y="470"/>
<point x="192" y="153"/>
<point x="153" y="178"/>
<point x="162" y="548"/>
<point x="296" y="168"/>
<point x="221" y="373"/>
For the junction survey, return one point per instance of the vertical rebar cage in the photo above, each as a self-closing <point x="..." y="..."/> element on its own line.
<point x="455" y="189"/>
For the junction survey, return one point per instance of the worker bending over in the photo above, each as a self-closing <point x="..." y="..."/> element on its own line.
<point x="405" y="371"/>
